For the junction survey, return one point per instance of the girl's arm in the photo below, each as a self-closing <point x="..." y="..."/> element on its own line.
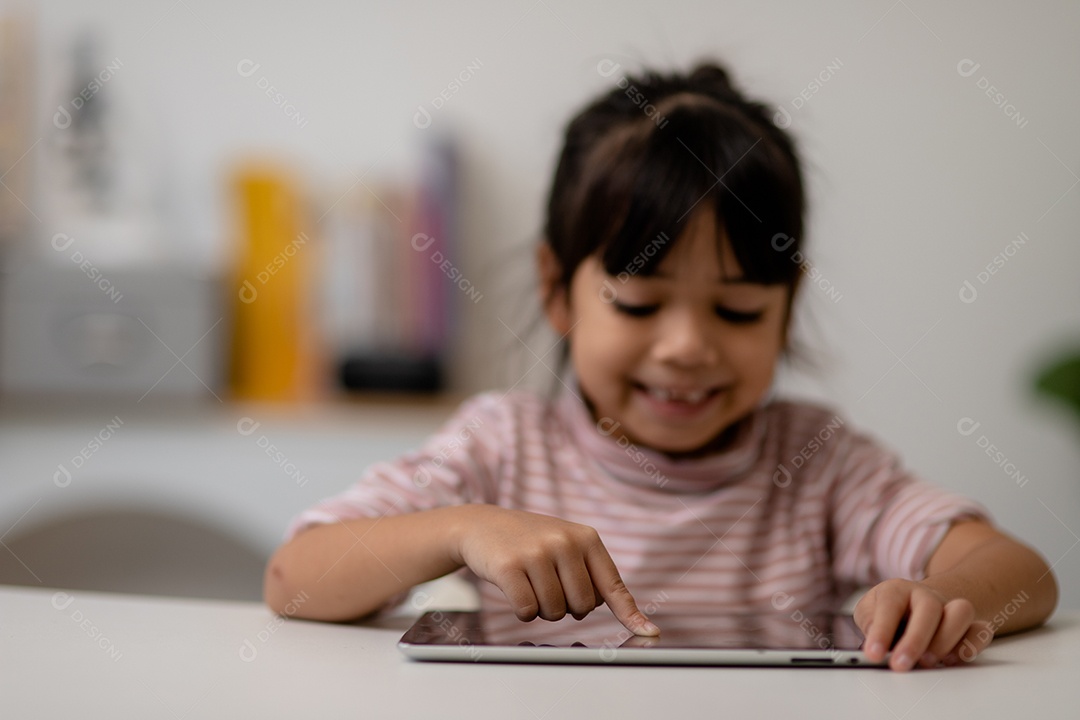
<point x="546" y="567"/>
<point x="979" y="582"/>
<point x="346" y="570"/>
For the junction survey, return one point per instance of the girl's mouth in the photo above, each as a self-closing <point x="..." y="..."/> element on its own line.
<point x="677" y="402"/>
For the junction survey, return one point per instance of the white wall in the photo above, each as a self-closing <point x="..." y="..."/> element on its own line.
<point x="918" y="179"/>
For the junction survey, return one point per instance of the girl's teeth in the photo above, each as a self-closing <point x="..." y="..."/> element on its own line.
<point x="660" y="394"/>
<point x="667" y="396"/>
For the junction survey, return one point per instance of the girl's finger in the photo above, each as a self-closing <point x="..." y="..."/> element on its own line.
<point x="864" y="612"/>
<point x="548" y="590"/>
<point x="922" y="625"/>
<point x="605" y="577"/>
<point x="956" y="618"/>
<point x="975" y="640"/>
<point x="890" y="605"/>
<point x="519" y="591"/>
<point x="577" y="586"/>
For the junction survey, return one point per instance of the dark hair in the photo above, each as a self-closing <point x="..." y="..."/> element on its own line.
<point x="637" y="160"/>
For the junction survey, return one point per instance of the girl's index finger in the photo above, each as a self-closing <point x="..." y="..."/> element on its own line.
<point x="613" y="590"/>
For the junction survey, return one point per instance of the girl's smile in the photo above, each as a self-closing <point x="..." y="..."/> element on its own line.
<point x="675" y="403"/>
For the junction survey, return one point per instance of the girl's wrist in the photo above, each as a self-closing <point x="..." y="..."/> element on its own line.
<point x="458" y="520"/>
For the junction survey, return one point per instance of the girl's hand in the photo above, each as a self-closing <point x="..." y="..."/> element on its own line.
<point x="546" y="567"/>
<point x="938" y="629"/>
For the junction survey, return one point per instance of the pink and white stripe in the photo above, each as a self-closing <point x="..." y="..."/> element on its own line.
<point x="729" y="531"/>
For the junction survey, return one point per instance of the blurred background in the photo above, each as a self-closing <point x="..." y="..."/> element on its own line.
<point x="247" y="249"/>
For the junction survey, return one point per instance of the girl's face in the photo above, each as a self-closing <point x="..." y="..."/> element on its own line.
<point x="677" y="357"/>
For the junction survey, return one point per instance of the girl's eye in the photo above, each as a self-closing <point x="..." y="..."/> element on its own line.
<point x="738" y="318"/>
<point x="635" y="310"/>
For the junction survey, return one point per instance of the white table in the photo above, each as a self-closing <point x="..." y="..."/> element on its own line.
<point x="96" y="655"/>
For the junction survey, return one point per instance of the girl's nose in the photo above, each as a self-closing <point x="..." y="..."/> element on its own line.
<point x="683" y="340"/>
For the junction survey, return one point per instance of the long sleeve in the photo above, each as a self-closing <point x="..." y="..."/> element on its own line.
<point x="456" y="465"/>
<point x="886" y="522"/>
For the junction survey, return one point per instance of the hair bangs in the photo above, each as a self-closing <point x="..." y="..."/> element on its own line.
<point x="706" y="155"/>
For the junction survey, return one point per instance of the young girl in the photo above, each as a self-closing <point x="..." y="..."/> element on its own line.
<point x="662" y="473"/>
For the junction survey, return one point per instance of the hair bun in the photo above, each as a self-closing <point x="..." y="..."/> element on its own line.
<point x="713" y="79"/>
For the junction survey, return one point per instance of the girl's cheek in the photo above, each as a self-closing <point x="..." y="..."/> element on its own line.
<point x="750" y="358"/>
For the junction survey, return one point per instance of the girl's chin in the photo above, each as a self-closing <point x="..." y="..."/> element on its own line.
<point x="680" y="449"/>
<point x="711" y="435"/>
<point x="673" y="442"/>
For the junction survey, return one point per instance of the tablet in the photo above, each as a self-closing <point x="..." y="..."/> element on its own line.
<point x="782" y="639"/>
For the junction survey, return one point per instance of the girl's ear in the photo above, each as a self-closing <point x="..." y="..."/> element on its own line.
<point x="554" y="296"/>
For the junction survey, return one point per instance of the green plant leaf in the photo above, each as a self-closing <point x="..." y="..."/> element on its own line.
<point x="1061" y="380"/>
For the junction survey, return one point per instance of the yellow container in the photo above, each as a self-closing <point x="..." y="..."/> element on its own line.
<point x="272" y="353"/>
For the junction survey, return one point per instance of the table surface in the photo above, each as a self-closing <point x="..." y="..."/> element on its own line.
<point x="99" y="655"/>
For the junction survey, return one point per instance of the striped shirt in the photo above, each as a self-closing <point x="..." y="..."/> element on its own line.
<point x="798" y="510"/>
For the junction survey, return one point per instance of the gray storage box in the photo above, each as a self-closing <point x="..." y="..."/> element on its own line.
<point x="111" y="332"/>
